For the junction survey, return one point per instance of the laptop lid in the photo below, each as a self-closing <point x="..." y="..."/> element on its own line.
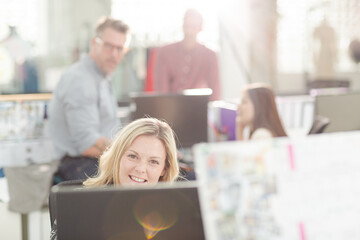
<point x="341" y="110"/>
<point x="186" y="114"/>
<point x="161" y="212"/>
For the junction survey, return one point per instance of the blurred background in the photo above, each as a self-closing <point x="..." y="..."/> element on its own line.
<point x="294" y="46"/>
<point x="285" y="43"/>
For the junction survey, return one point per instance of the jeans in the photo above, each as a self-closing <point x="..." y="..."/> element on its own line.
<point x="77" y="168"/>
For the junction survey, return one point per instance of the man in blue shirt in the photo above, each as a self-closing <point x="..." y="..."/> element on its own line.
<point x="82" y="115"/>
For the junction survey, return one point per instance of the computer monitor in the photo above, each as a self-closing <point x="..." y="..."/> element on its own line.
<point x="185" y="112"/>
<point x="341" y="109"/>
<point x="160" y="212"/>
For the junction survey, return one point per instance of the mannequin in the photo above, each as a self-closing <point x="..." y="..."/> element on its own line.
<point x="24" y="77"/>
<point x="325" y="52"/>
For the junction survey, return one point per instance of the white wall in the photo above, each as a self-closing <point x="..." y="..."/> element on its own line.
<point x="71" y="23"/>
<point x="233" y="54"/>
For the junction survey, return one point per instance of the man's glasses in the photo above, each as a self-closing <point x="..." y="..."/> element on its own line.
<point x="110" y="47"/>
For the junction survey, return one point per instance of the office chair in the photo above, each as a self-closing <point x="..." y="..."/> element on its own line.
<point x="319" y="124"/>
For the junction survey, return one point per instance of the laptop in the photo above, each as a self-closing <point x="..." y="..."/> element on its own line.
<point x="341" y="110"/>
<point x="161" y="212"/>
<point x="186" y="113"/>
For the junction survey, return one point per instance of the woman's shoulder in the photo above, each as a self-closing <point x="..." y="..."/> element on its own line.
<point x="261" y="133"/>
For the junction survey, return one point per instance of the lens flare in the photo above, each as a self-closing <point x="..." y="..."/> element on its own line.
<point x="155" y="215"/>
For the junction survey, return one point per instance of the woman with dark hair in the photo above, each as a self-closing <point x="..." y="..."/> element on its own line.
<point x="257" y="111"/>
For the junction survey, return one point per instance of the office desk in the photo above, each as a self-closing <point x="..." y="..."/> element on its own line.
<point x="29" y="165"/>
<point x="25" y="152"/>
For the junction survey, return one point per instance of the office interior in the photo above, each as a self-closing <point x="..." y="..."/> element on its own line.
<point x="308" y="51"/>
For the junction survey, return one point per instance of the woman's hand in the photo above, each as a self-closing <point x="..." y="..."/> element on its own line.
<point x="239" y="129"/>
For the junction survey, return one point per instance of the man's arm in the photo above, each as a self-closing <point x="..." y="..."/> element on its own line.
<point x="214" y="77"/>
<point x="82" y="117"/>
<point x="98" y="148"/>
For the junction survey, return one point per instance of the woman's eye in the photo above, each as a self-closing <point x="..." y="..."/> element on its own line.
<point x="132" y="156"/>
<point x="154" y="162"/>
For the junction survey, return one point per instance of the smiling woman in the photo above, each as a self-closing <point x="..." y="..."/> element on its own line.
<point x="143" y="162"/>
<point x="144" y="152"/>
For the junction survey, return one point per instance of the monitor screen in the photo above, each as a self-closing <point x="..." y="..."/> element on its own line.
<point x="159" y="212"/>
<point x="185" y="113"/>
<point x="341" y="109"/>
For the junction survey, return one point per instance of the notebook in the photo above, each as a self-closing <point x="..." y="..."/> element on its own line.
<point x="161" y="212"/>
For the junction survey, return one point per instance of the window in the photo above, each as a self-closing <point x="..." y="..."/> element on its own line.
<point x="296" y="23"/>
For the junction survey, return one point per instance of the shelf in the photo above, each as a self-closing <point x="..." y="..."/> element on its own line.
<point x="25" y="97"/>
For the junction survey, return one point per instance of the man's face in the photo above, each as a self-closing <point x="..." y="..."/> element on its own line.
<point x="192" y="25"/>
<point x="108" y="49"/>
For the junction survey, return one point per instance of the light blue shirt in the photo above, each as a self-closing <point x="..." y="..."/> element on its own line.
<point x="83" y="109"/>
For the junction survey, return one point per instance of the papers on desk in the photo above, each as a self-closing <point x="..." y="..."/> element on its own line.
<point x="281" y="189"/>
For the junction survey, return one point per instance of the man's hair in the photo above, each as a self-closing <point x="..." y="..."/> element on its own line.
<point x="108" y="22"/>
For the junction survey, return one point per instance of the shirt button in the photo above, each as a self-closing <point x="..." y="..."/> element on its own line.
<point x="186" y="69"/>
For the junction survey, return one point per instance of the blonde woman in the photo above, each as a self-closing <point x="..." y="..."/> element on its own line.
<point x="144" y="152"/>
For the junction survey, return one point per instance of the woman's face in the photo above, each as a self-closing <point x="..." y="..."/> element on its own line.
<point x="245" y="111"/>
<point x="143" y="162"/>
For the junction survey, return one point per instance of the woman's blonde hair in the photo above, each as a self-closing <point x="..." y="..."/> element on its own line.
<point x="109" y="162"/>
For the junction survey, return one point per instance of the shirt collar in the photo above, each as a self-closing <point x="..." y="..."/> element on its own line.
<point x="91" y="63"/>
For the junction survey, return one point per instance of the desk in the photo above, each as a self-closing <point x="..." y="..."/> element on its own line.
<point x="29" y="170"/>
<point x="25" y="97"/>
<point x="27" y="156"/>
<point x="24" y="152"/>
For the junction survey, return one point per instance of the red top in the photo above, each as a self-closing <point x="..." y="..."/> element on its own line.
<point x="176" y="69"/>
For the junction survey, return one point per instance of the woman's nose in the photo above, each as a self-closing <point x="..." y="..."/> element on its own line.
<point x="140" y="166"/>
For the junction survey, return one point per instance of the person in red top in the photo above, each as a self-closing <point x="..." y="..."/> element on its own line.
<point x="187" y="64"/>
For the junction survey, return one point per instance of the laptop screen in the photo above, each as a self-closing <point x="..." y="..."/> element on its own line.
<point x="186" y="114"/>
<point x="161" y="212"/>
<point x="341" y="109"/>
